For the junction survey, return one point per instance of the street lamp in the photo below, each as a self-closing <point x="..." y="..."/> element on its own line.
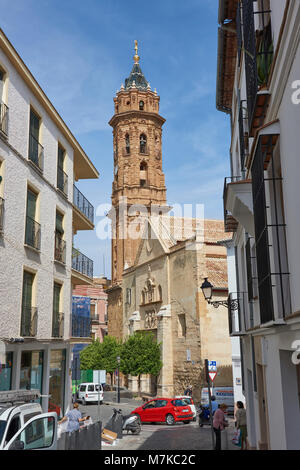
<point x="207" y="289"/>
<point x="118" y="361"/>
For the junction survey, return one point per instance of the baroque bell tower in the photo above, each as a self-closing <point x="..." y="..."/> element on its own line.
<point x="138" y="176"/>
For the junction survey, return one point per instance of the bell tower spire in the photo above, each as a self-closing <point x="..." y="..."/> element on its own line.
<point x="137" y="141"/>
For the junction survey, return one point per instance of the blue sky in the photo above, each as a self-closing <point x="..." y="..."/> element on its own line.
<point x="81" y="51"/>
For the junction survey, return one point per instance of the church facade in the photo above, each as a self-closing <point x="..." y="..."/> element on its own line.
<point x="158" y="261"/>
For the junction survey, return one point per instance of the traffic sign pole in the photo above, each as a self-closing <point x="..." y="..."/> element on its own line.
<point x="210" y="407"/>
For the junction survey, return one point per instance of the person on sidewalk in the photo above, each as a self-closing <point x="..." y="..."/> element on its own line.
<point x="189" y="391"/>
<point x="219" y="423"/>
<point x="241" y="423"/>
<point x="74" y="417"/>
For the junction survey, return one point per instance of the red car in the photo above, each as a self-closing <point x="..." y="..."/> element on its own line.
<point x="167" y="410"/>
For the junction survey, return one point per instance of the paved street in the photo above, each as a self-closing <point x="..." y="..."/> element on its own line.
<point x="158" y="436"/>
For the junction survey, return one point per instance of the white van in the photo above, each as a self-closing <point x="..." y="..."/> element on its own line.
<point x="222" y="394"/>
<point x="25" y="426"/>
<point x="90" y="392"/>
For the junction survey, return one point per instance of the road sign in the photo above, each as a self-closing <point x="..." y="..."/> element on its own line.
<point x="212" y="375"/>
<point x="212" y="366"/>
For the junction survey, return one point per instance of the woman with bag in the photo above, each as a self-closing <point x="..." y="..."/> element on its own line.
<point x="219" y="423"/>
<point x="241" y="423"/>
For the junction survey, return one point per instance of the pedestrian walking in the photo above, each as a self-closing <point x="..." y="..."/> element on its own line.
<point x="189" y="391"/>
<point x="219" y="423"/>
<point x="241" y="423"/>
<point x="74" y="417"/>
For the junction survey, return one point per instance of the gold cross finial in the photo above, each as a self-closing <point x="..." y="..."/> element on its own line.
<point x="136" y="57"/>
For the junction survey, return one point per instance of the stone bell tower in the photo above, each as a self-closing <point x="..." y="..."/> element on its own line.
<point x="138" y="175"/>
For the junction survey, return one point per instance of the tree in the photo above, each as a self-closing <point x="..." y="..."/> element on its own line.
<point x="101" y="356"/>
<point x="140" y="354"/>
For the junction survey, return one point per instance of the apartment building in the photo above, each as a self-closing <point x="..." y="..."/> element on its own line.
<point x="98" y="305"/>
<point x="258" y="86"/>
<point x="41" y="211"/>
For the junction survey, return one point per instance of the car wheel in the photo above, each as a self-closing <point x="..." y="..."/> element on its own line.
<point x="170" y="420"/>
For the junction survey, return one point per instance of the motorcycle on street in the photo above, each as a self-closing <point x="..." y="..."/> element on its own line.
<point x="129" y="422"/>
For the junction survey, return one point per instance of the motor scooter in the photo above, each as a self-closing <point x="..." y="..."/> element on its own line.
<point x="130" y="422"/>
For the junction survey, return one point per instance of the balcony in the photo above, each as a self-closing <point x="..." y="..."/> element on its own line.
<point x="258" y="47"/>
<point x="82" y="268"/>
<point x="3" y="118"/>
<point x="236" y="313"/>
<point x="81" y="327"/>
<point x="95" y="319"/>
<point x="33" y="234"/>
<point x="83" y="213"/>
<point x="62" y="181"/>
<point x="29" y="321"/>
<point x="238" y="205"/>
<point x="59" y="249"/>
<point x="58" y="325"/>
<point x="36" y="153"/>
<point x="1" y="214"/>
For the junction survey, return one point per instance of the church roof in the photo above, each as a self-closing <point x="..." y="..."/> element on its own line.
<point x="136" y="78"/>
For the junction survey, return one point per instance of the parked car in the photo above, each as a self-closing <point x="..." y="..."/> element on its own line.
<point x="167" y="410"/>
<point x="90" y="392"/>
<point x="222" y="394"/>
<point x="190" y="402"/>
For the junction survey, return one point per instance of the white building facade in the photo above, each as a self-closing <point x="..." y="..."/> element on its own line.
<point x="258" y="85"/>
<point x="40" y="212"/>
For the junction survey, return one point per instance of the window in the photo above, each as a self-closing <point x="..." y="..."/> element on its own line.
<point x="91" y="388"/>
<point x="57" y="319"/>
<point x="14" y="427"/>
<point x="143" y="143"/>
<point x="128" y="296"/>
<point x="60" y="244"/>
<point x="35" y="148"/>
<point x="3" y="107"/>
<point x="38" y="434"/>
<point x="33" y="228"/>
<point x="31" y="370"/>
<point x="161" y="403"/>
<point x="141" y="105"/>
<point x="29" y="313"/>
<point x="181" y="326"/>
<point x="127" y="144"/>
<point x="143" y="174"/>
<point x="82" y="388"/>
<point x="62" y="177"/>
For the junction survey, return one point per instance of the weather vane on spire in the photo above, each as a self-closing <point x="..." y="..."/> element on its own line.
<point x="136" y="57"/>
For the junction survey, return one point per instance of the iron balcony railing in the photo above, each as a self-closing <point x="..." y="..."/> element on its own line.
<point x="1" y="213"/>
<point x="237" y="309"/>
<point x="29" y="321"/>
<point x="81" y="327"/>
<point x="59" y="249"/>
<point x="83" y="204"/>
<point x="82" y="263"/>
<point x="62" y="180"/>
<point x="258" y="53"/>
<point x="95" y="318"/>
<point x="33" y="233"/>
<point x="58" y="325"/>
<point x="3" y="118"/>
<point x="36" y="152"/>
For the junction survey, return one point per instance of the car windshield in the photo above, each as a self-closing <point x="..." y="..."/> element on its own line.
<point x="2" y="428"/>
